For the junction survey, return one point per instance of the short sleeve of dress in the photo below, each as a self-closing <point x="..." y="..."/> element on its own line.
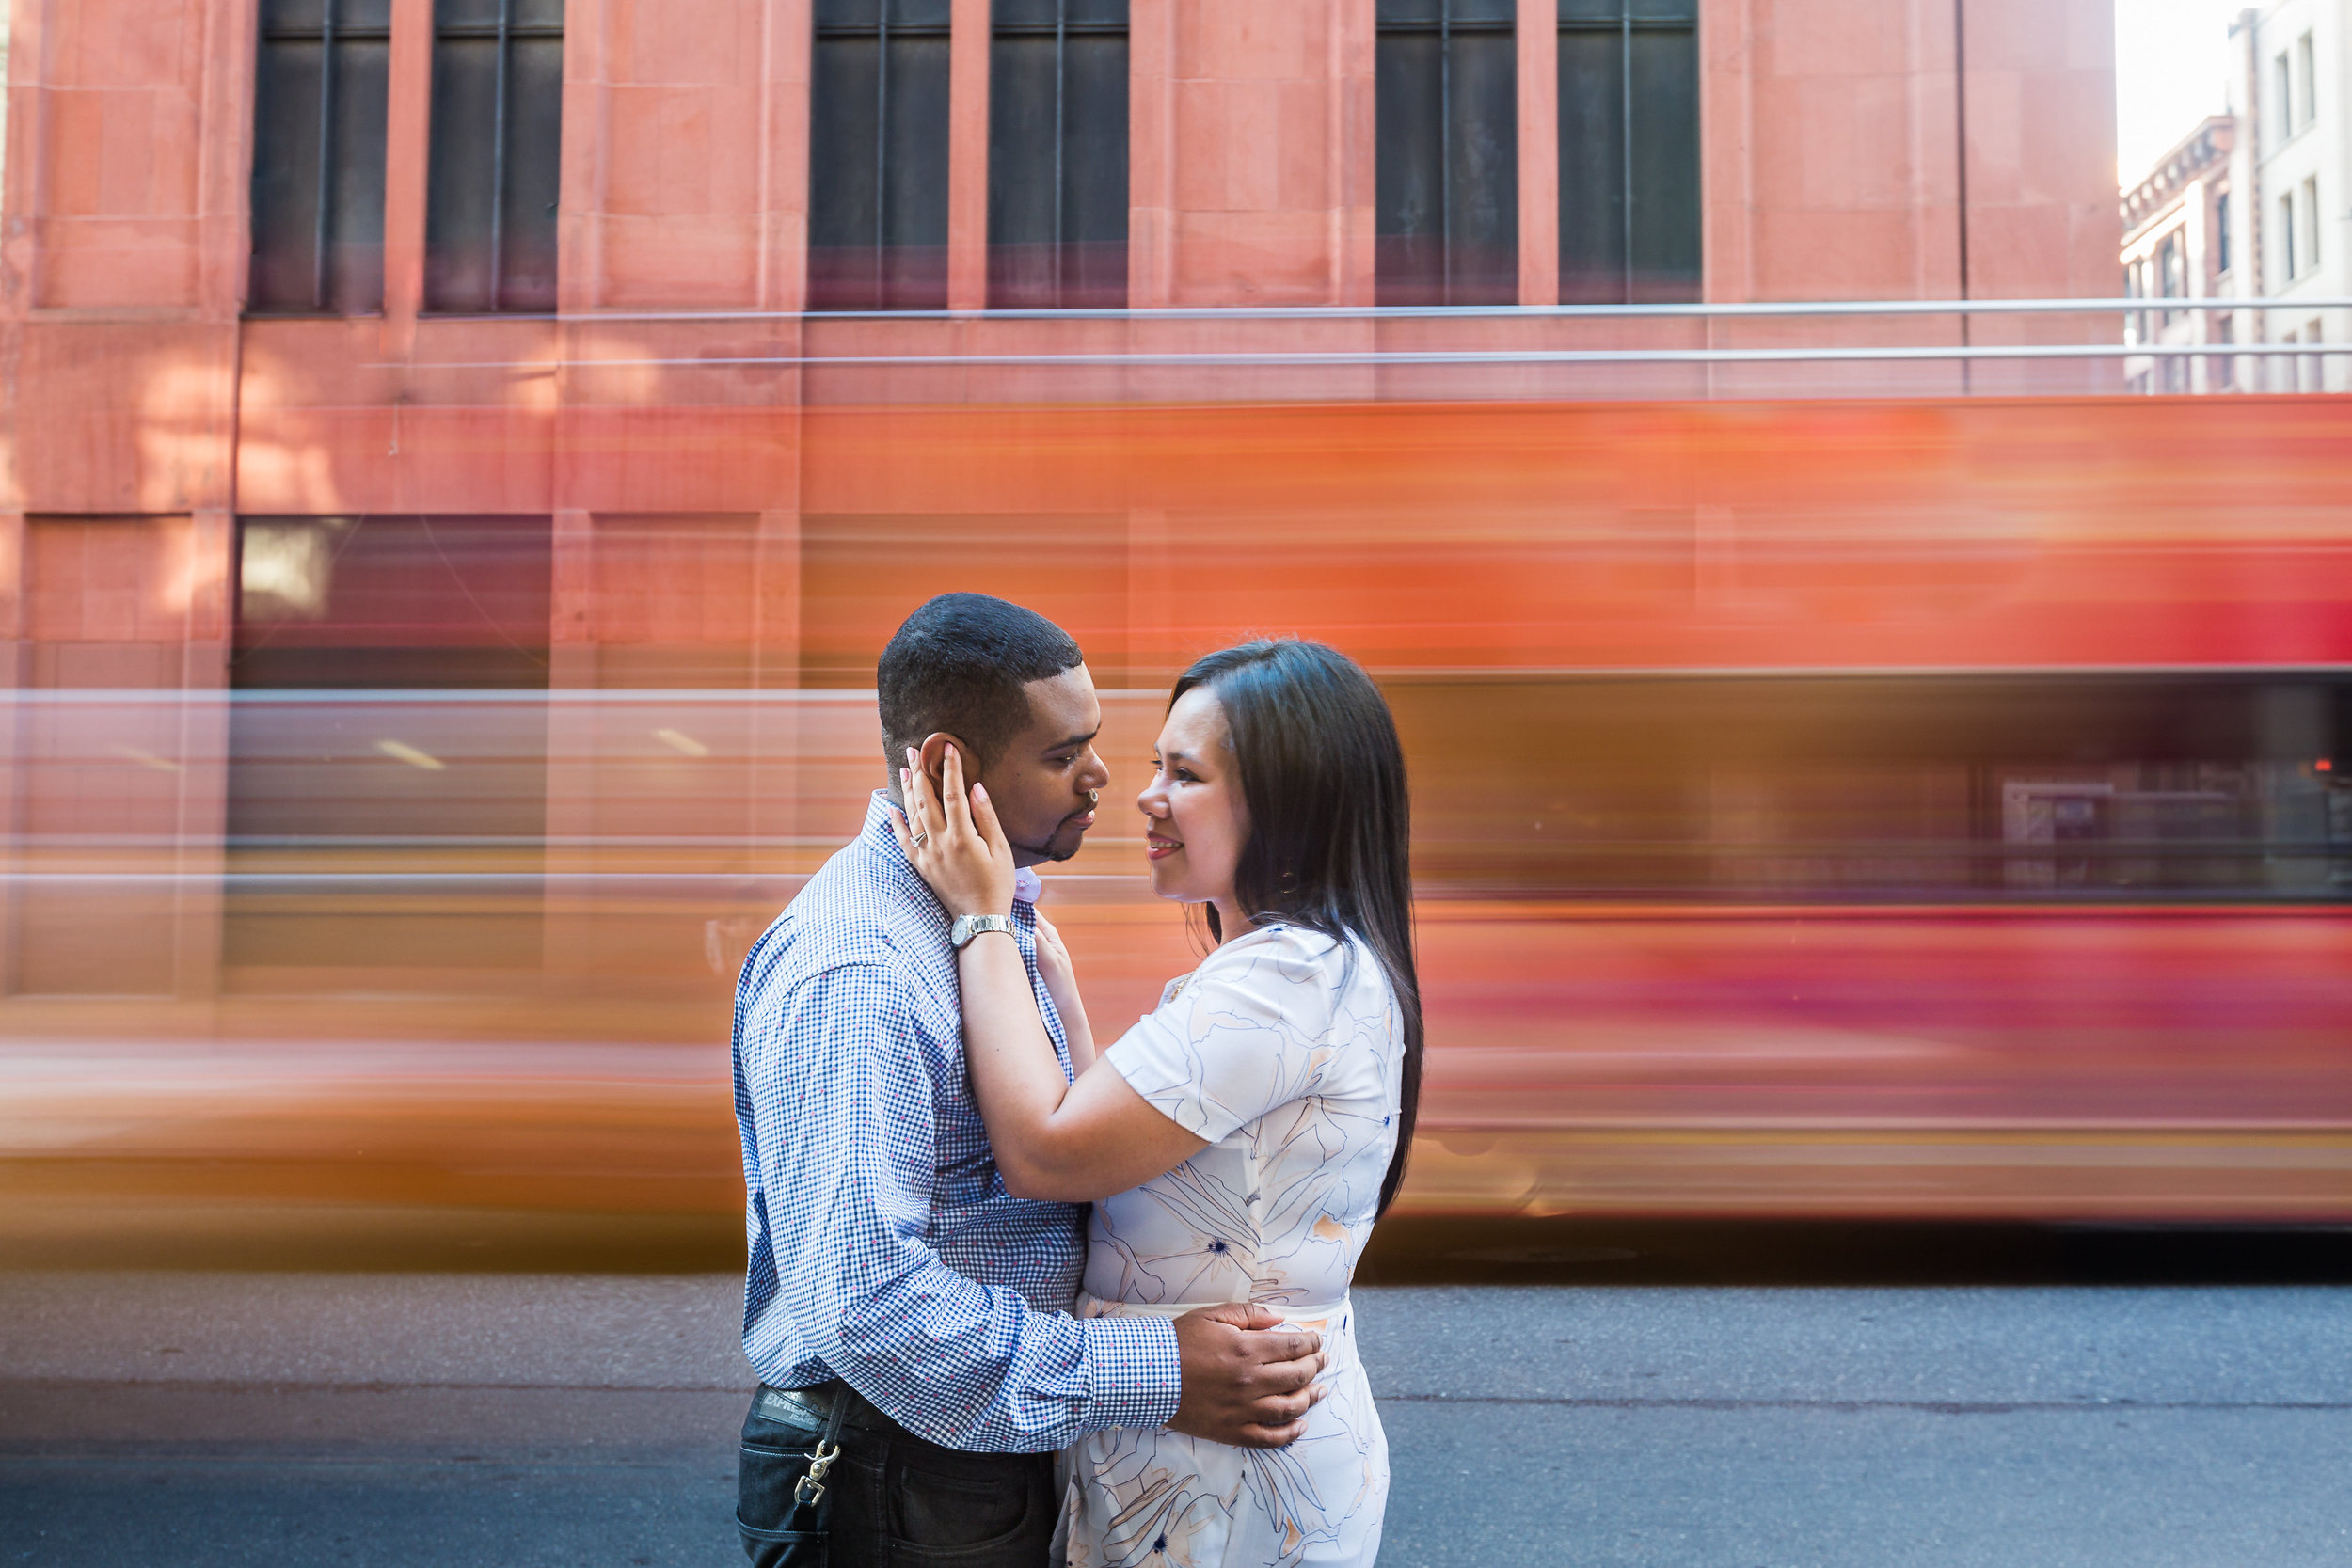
<point x="1248" y="1031"/>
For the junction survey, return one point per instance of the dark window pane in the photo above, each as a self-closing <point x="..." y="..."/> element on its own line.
<point x="318" y="158"/>
<point x="1630" y="211"/>
<point x="498" y="98"/>
<point x="535" y="175"/>
<point x="844" y="164"/>
<point x="1057" y="156"/>
<point x="1483" y="201"/>
<point x="461" y="193"/>
<point x="1592" y="167"/>
<point x="1409" y="177"/>
<point x="901" y="15"/>
<point x="1446" y="181"/>
<point x="915" y="184"/>
<point x="286" y="154"/>
<point x="310" y="16"/>
<point x="878" y="159"/>
<point x="483" y="15"/>
<point x="1025" y="188"/>
<point x="1665" y="249"/>
<point x="355" y="226"/>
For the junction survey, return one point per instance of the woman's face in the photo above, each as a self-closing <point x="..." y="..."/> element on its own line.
<point x="1197" y="821"/>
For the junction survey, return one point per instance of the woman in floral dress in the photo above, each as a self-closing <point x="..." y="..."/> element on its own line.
<point x="1239" y="1141"/>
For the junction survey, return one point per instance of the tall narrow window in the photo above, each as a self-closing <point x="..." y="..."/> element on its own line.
<point x="497" y="161"/>
<point x="2282" y="87"/>
<point x="1629" y="216"/>
<point x="2286" y="234"/>
<point x="2172" y="276"/>
<point x="877" y="156"/>
<point x="2311" y="226"/>
<point x="1058" y="153"/>
<point x="1447" y="173"/>
<point x="318" y="156"/>
<point x="2221" y="232"/>
<point x="2307" y="81"/>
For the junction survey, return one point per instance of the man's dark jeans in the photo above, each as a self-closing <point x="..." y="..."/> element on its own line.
<point x="899" y="1502"/>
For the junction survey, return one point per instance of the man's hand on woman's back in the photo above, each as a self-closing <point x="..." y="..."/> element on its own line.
<point x="1247" y="1381"/>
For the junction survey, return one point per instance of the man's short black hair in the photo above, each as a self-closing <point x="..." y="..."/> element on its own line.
<point x="959" y="664"/>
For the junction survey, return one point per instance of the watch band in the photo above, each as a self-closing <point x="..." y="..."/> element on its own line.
<point x="970" y="926"/>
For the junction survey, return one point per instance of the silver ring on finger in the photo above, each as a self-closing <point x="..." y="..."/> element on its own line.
<point x="921" y="839"/>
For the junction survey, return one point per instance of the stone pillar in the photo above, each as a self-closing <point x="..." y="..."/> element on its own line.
<point x="407" y="160"/>
<point x="1538" y="39"/>
<point x="968" y="155"/>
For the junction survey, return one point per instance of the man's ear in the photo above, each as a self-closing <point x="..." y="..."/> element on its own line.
<point x="934" y="753"/>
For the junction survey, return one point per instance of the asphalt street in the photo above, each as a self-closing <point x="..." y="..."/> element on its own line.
<point x="215" y="1418"/>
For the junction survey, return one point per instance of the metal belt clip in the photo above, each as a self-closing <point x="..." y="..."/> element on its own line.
<point x="812" y="1486"/>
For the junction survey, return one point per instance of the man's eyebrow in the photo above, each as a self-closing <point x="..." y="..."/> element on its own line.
<point x="1086" y="739"/>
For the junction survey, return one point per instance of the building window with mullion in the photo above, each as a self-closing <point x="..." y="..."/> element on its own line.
<point x="877" y="156"/>
<point x="1058" y="153"/>
<point x="1630" y="212"/>
<point x="497" y="158"/>
<point x="1446" y="156"/>
<point x="320" y="91"/>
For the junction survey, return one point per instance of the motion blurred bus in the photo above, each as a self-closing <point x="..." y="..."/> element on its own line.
<point x="1920" y="808"/>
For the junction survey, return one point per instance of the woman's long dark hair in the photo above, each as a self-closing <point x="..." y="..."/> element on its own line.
<point x="1330" y="824"/>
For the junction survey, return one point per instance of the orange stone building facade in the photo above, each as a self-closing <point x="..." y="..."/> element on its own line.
<point x="692" y="460"/>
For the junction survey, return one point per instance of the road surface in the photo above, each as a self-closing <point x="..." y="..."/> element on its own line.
<point x="282" y="1419"/>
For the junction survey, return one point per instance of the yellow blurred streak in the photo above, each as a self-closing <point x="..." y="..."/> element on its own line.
<point x="145" y="759"/>
<point x="399" y="751"/>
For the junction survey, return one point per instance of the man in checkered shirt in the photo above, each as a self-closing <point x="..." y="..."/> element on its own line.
<point x="890" y="1271"/>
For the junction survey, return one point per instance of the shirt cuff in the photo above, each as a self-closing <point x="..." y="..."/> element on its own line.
<point x="1136" y="1376"/>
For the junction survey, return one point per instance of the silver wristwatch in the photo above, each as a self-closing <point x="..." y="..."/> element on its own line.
<point x="970" y="926"/>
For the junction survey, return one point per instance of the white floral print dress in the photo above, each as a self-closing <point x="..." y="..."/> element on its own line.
<point x="1285" y="1051"/>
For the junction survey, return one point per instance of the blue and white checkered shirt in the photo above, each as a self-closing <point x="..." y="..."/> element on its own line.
<point x="884" y="1249"/>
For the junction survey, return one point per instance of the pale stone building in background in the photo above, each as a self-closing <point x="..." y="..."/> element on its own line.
<point x="2253" y="204"/>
